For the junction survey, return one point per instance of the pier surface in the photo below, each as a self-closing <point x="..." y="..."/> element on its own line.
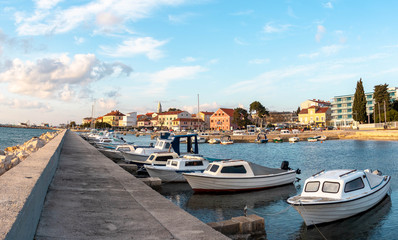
<point x="91" y="197"/>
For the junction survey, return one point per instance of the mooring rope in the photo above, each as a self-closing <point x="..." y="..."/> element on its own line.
<point x="314" y="223"/>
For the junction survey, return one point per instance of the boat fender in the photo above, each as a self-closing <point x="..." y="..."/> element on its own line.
<point x="298" y="171"/>
<point x="285" y="165"/>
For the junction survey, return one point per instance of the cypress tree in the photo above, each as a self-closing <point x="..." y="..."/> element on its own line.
<point x="359" y="106"/>
<point x="380" y="96"/>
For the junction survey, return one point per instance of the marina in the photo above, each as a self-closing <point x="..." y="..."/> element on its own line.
<point x="281" y="220"/>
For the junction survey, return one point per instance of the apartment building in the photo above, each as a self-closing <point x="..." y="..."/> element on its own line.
<point x="342" y="114"/>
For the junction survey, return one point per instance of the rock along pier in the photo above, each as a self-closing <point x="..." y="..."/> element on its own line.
<point x="69" y="190"/>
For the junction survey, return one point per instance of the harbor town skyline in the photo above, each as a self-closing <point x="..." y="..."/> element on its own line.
<point x="59" y="58"/>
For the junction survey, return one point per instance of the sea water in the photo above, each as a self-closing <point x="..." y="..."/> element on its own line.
<point x="281" y="220"/>
<point x="16" y="136"/>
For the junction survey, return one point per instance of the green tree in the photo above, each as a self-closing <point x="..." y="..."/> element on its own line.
<point x="394" y="105"/>
<point x="241" y="117"/>
<point x="260" y="110"/>
<point x="102" y="125"/>
<point x="359" y="106"/>
<point x="173" y="109"/>
<point x="298" y="111"/>
<point x="381" y="98"/>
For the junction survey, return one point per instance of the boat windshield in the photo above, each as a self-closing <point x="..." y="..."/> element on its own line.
<point x="353" y="185"/>
<point x="151" y="157"/>
<point x="193" y="163"/>
<point x="234" y="169"/>
<point x="213" y="168"/>
<point x="331" y="187"/>
<point x="312" y="187"/>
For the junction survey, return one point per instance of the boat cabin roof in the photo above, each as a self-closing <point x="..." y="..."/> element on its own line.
<point x="341" y="184"/>
<point x="250" y="169"/>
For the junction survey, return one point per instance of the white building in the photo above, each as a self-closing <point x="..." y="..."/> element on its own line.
<point x="129" y="120"/>
<point x="342" y="114"/>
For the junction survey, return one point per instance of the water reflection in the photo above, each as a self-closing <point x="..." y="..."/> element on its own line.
<point x="358" y="227"/>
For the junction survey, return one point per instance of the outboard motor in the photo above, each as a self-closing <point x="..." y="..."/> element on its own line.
<point x="285" y="165"/>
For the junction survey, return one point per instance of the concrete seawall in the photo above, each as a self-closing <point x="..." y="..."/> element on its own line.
<point x="23" y="190"/>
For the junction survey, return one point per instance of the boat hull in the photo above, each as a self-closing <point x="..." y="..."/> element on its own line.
<point x="205" y="183"/>
<point x="330" y="212"/>
<point x="112" y="154"/>
<point x="134" y="158"/>
<point x="168" y="175"/>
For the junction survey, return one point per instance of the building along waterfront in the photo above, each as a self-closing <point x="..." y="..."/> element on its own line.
<point x="342" y="115"/>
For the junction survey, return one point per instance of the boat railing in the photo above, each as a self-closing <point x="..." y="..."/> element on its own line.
<point x="345" y="174"/>
<point x="318" y="173"/>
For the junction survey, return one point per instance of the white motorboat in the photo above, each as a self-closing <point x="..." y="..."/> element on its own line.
<point x="261" y="138"/>
<point x="294" y="139"/>
<point x="116" y="154"/>
<point x="164" y="143"/>
<point x="160" y="158"/>
<point x="174" y="168"/>
<point x="322" y="138"/>
<point x="214" y="141"/>
<point x="338" y="194"/>
<point x="226" y="140"/>
<point x="239" y="175"/>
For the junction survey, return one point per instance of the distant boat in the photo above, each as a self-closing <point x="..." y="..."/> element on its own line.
<point x="261" y="138"/>
<point x="294" y="139"/>
<point x="277" y="140"/>
<point x="214" y="141"/>
<point x="226" y="140"/>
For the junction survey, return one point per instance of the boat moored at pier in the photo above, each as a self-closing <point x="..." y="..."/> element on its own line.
<point x="239" y="175"/>
<point x="338" y="194"/>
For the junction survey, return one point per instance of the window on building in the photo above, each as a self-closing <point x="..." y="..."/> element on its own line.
<point x="348" y="98"/>
<point x="349" y="104"/>
<point x="322" y="119"/>
<point x="338" y="105"/>
<point x="317" y="119"/>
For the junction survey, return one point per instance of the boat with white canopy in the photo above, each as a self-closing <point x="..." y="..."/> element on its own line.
<point x="338" y="194"/>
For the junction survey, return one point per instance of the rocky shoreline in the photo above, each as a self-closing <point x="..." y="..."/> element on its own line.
<point x="12" y="156"/>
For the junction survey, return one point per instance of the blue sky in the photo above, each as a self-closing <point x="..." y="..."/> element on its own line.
<point x="58" y="57"/>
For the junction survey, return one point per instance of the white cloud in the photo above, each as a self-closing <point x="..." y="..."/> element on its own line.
<point x="25" y="104"/>
<point x="213" y="61"/>
<point x="270" y="27"/>
<point x="328" y="5"/>
<point x="290" y="12"/>
<point x="105" y="104"/>
<point x="320" y="33"/>
<point x="136" y="46"/>
<point x="207" y="107"/>
<point x="56" y="76"/>
<point x="331" y="50"/>
<point x="101" y="12"/>
<point x="79" y="40"/>
<point x="188" y="59"/>
<point x="180" y="19"/>
<point x="309" y="55"/>
<point x="239" y="41"/>
<point x="158" y="82"/>
<point x="259" y="61"/>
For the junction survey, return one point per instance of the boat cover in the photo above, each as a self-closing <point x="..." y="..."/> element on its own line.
<point x="373" y="179"/>
<point x="261" y="170"/>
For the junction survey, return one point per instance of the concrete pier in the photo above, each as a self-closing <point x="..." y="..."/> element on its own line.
<point x="91" y="197"/>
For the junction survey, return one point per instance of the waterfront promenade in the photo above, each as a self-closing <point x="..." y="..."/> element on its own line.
<point x="91" y="197"/>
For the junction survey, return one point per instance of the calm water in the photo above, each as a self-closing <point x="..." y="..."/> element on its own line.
<point x="281" y="220"/>
<point x="14" y="136"/>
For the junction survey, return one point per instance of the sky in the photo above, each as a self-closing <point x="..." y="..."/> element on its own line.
<point x="60" y="59"/>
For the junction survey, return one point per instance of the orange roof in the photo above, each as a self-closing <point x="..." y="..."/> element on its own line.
<point x="115" y="113"/>
<point x="207" y="113"/>
<point x="228" y="111"/>
<point x="317" y="110"/>
<point x="99" y="118"/>
<point x="149" y="114"/>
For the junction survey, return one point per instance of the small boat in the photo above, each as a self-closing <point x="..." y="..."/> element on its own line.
<point x="322" y="138"/>
<point x="160" y="158"/>
<point x="115" y="154"/>
<point x="277" y="140"/>
<point x="172" y="171"/>
<point x="261" y="138"/>
<point x="294" y="139"/>
<point x="312" y="139"/>
<point x="214" y="141"/>
<point x="239" y="175"/>
<point x="338" y="194"/>
<point x="226" y="140"/>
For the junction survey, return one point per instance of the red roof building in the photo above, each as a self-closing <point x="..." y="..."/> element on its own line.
<point x="222" y="120"/>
